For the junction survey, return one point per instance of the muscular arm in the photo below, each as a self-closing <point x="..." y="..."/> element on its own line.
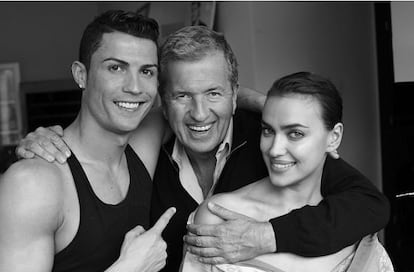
<point x="31" y="205"/>
<point x="29" y="216"/>
<point x="352" y="208"/>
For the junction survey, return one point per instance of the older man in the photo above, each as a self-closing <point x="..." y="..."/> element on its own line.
<point x="216" y="149"/>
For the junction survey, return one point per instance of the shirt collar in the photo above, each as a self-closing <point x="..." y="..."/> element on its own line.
<point x="186" y="172"/>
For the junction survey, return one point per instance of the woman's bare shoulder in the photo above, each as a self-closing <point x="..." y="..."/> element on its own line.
<point x="229" y="201"/>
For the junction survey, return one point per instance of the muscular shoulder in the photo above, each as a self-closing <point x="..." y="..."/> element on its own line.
<point x="32" y="189"/>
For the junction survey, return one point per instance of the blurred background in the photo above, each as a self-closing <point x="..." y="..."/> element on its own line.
<point x="365" y="48"/>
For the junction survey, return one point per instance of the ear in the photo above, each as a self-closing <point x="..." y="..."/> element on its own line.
<point x="79" y="74"/>
<point x="335" y="137"/>
<point x="234" y="98"/>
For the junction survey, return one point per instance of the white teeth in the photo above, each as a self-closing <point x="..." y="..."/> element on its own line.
<point x="282" y="166"/>
<point x="198" y="128"/>
<point x="128" y="105"/>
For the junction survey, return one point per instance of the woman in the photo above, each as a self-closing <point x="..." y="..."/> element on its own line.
<point x="301" y="123"/>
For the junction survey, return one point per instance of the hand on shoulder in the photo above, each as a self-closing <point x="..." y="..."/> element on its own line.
<point x="203" y="214"/>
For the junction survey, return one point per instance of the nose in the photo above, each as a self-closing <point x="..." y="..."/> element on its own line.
<point x="132" y="83"/>
<point x="199" y="109"/>
<point x="278" y="146"/>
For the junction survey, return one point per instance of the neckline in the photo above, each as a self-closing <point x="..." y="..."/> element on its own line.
<point x="86" y="182"/>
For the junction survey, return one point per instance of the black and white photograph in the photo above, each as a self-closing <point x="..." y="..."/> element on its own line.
<point x="193" y="136"/>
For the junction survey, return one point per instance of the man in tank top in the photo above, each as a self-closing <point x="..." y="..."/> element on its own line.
<point x="90" y="213"/>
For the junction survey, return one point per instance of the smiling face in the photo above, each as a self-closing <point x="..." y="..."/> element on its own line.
<point x="121" y="83"/>
<point x="294" y="139"/>
<point x="199" y="102"/>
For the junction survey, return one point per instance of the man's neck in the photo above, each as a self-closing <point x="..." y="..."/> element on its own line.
<point x="204" y="165"/>
<point x="92" y="143"/>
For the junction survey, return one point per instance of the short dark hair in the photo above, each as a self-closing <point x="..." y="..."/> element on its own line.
<point x="115" y="20"/>
<point x="316" y="86"/>
<point x="193" y="43"/>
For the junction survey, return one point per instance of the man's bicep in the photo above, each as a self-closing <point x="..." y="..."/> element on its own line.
<point x="25" y="253"/>
<point x="26" y="227"/>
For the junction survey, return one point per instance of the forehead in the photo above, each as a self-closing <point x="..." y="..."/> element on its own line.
<point x="212" y="68"/>
<point x="292" y="109"/>
<point x="126" y="47"/>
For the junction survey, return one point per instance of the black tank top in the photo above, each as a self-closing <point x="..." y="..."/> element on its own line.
<point x="102" y="227"/>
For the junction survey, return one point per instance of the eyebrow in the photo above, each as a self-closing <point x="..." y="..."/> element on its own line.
<point x="117" y="60"/>
<point x="290" y="126"/>
<point x="146" y="66"/>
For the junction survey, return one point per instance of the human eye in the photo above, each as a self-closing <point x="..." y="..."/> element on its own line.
<point x="214" y="94"/>
<point x="182" y="96"/>
<point x="149" y="72"/>
<point x="115" y="68"/>
<point x="267" y="131"/>
<point x="296" y="134"/>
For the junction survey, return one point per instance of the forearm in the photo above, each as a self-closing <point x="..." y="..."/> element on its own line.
<point x="120" y="266"/>
<point x="351" y="209"/>
<point x="267" y="239"/>
<point x="250" y="99"/>
<point x="323" y="230"/>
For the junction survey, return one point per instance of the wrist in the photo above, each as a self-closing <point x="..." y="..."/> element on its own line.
<point x="268" y="239"/>
<point x="121" y="266"/>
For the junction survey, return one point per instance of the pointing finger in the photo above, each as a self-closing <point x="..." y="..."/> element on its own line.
<point x="163" y="220"/>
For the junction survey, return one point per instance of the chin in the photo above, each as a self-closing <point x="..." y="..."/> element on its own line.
<point x="282" y="180"/>
<point x="126" y="129"/>
<point x="200" y="148"/>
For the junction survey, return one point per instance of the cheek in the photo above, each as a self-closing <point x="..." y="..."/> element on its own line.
<point x="311" y="151"/>
<point x="175" y="115"/>
<point x="151" y="86"/>
<point x="264" y="145"/>
<point x="224" y="110"/>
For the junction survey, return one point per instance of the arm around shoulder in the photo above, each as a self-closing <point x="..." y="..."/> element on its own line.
<point x="29" y="215"/>
<point x="147" y="139"/>
<point x="349" y="197"/>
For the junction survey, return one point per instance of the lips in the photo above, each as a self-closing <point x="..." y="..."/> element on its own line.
<point x="281" y="165"/>
<point x="129" y="106"/>
<point x="200" y="128"/>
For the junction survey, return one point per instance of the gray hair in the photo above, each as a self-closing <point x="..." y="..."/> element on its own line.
<point x="194" y="43"/>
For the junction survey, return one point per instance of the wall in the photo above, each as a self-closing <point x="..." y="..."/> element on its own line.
<point x="272" y="39"/>
<point x="403" y="41"/>
<point x="171" y="16"/>
<point x="43" y="36"/>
